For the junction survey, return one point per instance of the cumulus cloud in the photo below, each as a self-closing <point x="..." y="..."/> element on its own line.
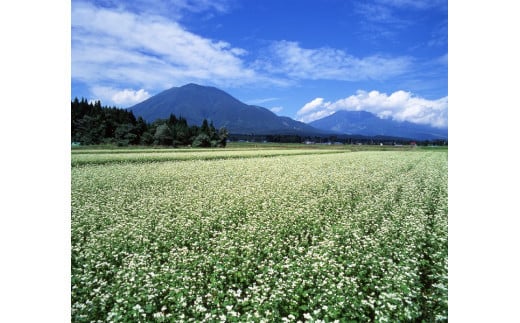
<point x="400" y="106"/>
<point x="276" y="109"/>
<point x="122" y="98"/>
<point x="127" y="96"/>
<point x="310" y="106"/>
<point x="325" y="63"/>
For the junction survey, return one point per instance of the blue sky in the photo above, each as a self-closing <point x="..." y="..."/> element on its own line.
<point x="303" y="59"/>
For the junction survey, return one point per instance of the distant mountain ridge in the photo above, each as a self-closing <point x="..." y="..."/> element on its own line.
<point x="196" y="103"/>
<point x="368" y="124"/>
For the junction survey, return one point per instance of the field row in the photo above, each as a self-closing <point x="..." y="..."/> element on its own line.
<point x="330" y="237"/>
<point x="101" y="157"/>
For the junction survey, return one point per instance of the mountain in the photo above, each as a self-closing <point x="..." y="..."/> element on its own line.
<point x="368" y="124"/>
<point x="196" y="103"/>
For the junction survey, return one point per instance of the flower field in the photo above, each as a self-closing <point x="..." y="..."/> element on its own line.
<point x="319" y="237"/>
<point x="100" y="157"/>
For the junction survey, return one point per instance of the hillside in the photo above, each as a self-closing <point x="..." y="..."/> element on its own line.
<point x="196" y="103"/>
<point x="368" y="124"/>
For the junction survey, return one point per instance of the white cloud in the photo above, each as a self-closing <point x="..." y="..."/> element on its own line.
<point x="127" y="96"/>
<point x="384" y="19"/>
<point x="276" y="109"/>
<point x="118" y="48"/>
<point x="122" y="98"/>
<point x="168" y="8"/>
<point x="378" y="13"/>
<point x="439" y="35"/>
<point x="260" y="101"/>
<point x="414" y="4"/>
<point x="197" y="5"/>
<point x="400" y="106"/>
<point x="112" y="39"/>
<point x="329" y="63"/>
<point x="313" y="105"/>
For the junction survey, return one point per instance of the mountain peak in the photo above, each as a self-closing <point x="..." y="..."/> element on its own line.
<point x="196" y="102"/>
<point x="191" y="85"/>
<point x="195" y="86"/>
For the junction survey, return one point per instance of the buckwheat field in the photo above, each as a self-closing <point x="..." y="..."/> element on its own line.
<point x="260" y="236"/>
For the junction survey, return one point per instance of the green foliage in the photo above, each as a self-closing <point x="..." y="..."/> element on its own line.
<point x="222" y="137"/>
<point x="202" y="140"/>
<point x="93" y="124"/>
<point x="146" y="139"/>
<point x="163" y="135"/>
<point x="204" y="128"/>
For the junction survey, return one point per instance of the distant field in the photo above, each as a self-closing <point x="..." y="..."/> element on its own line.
<point x="277" y="234"/>
<point x="111" y="154"/>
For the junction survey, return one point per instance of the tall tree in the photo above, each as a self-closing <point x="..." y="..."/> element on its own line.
<point x="204" y="128"/>
<point x="163" y="135"/>
<point x="223" y="135"/>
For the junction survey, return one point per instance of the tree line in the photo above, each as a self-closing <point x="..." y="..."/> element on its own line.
<point x="93" y="124"/>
